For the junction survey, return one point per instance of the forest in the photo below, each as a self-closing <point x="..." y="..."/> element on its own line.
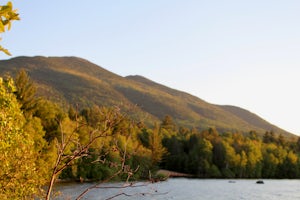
<point x="42" y="141"/>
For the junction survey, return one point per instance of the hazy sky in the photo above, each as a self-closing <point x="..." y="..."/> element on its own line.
<point x="242" y="53"/>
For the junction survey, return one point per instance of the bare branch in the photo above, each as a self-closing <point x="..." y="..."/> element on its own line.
<point x="121" y="170"/>
<point x="137" y="194"/>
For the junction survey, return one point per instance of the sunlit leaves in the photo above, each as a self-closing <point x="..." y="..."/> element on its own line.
<point x="5" y="51"/>
<point x="19" y="147"/>
<point x="7" y="15"/>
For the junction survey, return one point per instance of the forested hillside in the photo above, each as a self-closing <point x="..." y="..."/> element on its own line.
<point x="75" y="81"/>
<point x="45" y="140"/>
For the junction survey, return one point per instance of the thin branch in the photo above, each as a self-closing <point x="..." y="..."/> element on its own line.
<point x="120" y="194"/>
<point x="95" y="186"/>
<point x="131" y="185"/>
<point x="136" y="194"/>
<point x="110" y="178"/>
<point x="77" y="154"/>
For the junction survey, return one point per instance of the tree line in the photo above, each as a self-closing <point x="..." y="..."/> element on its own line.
<point x="41" y="142"/>
<point x="210" y="154"/>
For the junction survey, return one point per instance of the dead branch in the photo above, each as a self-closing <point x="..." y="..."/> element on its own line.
<point x="63" y="161"/>
<point x="137" y="194"/>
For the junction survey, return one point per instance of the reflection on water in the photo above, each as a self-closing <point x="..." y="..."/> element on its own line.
<point x="181" y="188"/>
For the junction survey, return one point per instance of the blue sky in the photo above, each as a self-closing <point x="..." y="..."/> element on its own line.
<point x="242" y="53"/>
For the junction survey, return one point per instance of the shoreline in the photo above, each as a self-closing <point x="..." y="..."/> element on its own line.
<point x="173" y="174"/>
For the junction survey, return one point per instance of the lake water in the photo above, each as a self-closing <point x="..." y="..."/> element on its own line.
<point x="182" y="188"/>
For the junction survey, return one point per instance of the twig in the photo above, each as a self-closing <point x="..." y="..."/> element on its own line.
<point x="136" y="194"/>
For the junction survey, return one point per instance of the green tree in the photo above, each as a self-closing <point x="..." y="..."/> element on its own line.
<point x="200" y="157"/>
<point x="175" y="158"/>
<point x="219" y="157"/>
<point x="51" y="115"/>
<point x="26" y="92"/>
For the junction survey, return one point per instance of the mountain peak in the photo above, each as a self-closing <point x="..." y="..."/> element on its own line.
<point x="76" y="81"/>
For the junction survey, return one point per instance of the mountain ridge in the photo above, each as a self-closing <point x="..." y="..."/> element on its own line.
<point x="73" y="80"/>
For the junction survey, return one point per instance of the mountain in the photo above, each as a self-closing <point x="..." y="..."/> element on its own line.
<point x="75" y="81"/>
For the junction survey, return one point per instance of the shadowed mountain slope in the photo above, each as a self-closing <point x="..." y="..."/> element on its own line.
<point x="72" y="80"/>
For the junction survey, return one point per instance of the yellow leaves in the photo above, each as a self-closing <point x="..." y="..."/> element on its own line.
<point x="243" y="159"/>
<point x="2" y="27"/>
<point x="292" y="157"/>
<point x="7" y="15"/>
<point x="5" y="51"/>
<point x="18" y="154"/>
<point x="69" y="139"/>
<point x="232" y="158"/>
<point x="155" y="143"/>
<point x="207" y="146"/>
